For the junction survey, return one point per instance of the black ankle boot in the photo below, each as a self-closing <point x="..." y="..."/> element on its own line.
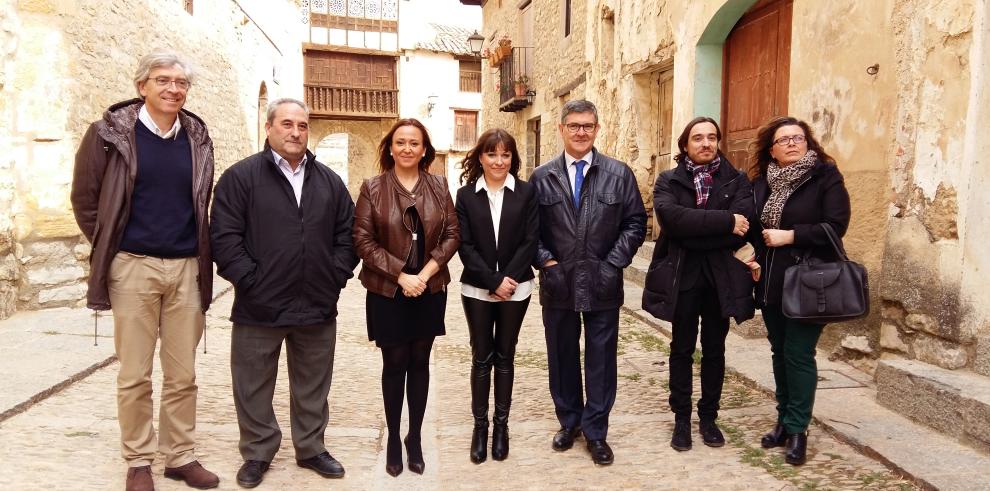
<point x="776" y="438"/>
<point x="500" y="431"/>
<point x="479" y="441"/>
<point x="500" y="442"/>
<point x="797" y="449"/>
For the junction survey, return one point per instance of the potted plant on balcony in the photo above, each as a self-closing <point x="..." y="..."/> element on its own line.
<point x="520" y="85"/>
<point x="504" y="46"/>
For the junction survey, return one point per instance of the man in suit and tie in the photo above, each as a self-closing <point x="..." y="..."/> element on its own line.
<point x="592" y="221"/>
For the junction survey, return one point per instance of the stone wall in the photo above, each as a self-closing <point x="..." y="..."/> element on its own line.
<point x="64" y="63"/>
<point x="909" y="139"/>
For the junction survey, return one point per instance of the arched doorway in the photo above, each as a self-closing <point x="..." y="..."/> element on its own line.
<point x="755" y="74"/>
<point x="333" y="152"/>
<point x="262" y="115"/>
<point x="741" y="69"/>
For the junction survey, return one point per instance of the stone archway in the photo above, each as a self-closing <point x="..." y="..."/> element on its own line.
<point x="262" y="115"/>
<point x="361" y="138"/>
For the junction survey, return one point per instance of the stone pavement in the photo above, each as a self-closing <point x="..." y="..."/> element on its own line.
<point x="70" y="439"/>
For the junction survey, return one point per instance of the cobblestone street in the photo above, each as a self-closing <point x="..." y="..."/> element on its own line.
<point x="70" y="441"/>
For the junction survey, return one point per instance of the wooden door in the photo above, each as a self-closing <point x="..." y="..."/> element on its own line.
<point x="465" y="129"/>
<point x="665" y="135"/>
<point x="756" y="67"/>
<point x="439" y="165"/>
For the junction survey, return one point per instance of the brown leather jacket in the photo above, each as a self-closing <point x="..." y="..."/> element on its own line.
<point x="102" y="183"/>
<point x="383" y="240"/>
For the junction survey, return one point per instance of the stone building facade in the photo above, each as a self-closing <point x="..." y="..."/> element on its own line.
<point x="63" y="63"/>
<point x="896" y="91"/>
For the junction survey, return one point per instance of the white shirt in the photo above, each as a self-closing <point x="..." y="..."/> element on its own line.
<point x="572" y="169"/>
<point x="145" y="117"/>
<point x="495" y="198"/>
<point x="295" y="177"/>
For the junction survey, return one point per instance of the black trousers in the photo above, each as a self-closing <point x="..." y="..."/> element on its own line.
<point x="254" y="353"/>
<point x="494" y="330"/>
<point x="601" y="336"/>
<point x="701" y="300"/>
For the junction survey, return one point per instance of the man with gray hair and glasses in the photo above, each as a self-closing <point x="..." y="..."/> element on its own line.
<point x="140" y="189"/>
<point x="281" y="229"/>
<point x="592" y="221"/>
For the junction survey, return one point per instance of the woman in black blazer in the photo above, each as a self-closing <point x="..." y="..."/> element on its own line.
<point x="797" y="188"/>
<point x="498" y="216"/>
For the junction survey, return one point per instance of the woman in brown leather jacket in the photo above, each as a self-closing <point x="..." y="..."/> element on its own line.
<point x="405" y="231"/>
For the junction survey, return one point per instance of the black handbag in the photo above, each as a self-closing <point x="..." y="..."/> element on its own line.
<point x="821" y="292"/>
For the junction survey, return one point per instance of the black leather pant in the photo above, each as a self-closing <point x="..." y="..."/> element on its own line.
<point x="494" y="330"/>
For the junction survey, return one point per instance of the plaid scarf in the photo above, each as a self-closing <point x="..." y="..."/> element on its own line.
<point x="782" y="182"/>
<point x="702" y="179"/>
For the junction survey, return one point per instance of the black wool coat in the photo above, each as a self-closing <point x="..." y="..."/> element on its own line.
<point x="820" y="197"/>
<point x="707" y="232"/>
<point x="287" y="262"/>
<point x="485" y="265"/>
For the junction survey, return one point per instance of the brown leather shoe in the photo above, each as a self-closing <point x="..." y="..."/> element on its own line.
<point x="194" y="475"/>
<point x="139" y="479"/>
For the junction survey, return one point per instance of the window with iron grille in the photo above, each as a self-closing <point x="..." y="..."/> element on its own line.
<point x="470" y="76"/>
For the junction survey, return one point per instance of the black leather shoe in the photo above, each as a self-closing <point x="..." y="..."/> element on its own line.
<point x="479" y="443"/>
<point x="797" y="449"/>
<point x="681" y="439"/>
<point x="324" y="465"/>
<point x="251" y="473"/>
<point x="776" y="438"/>
<point x="601" y="453"/>
<point x="564" y="439"/>
<point x="500" y="442"/>
<point x="710" y="434"/>
<point x="414" y="454"/>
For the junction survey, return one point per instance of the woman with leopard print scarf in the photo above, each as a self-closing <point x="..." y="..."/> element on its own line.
<point x="797" y="187"/>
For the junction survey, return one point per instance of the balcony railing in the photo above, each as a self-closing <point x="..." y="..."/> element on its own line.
<point x="470" y="81"/>
<point x="351" y="102"/>
<point x="515" y="80"/>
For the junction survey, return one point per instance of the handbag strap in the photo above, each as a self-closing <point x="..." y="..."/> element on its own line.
<point x="835" y="240"/>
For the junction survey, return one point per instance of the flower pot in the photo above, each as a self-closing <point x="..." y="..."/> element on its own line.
<point x="504" y="50"/>
<point x="520" y="89"/>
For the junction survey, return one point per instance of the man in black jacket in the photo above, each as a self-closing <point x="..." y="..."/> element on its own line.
<point x="592" y="221"/>
<point x="704" y="206"/>
<point x="281" y="233"/>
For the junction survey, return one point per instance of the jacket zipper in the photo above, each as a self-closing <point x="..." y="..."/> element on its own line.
<point x="773" y="250"/>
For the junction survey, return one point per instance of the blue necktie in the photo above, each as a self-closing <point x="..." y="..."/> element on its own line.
<point x="578" y="181"/>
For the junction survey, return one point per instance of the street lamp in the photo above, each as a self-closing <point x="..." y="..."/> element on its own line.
<point x="530" y="96"/>
<point x="431" y="102"/>
<point x="476" y="41"/>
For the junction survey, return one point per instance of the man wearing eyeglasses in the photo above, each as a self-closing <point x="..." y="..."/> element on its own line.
<point x="142" y="180"/>
<point x="592" y="221"/>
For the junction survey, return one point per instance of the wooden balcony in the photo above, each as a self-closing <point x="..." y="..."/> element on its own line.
<point x="339" y="102"/>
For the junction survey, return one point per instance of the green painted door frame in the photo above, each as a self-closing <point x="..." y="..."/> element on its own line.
<point x="708" y="58"/>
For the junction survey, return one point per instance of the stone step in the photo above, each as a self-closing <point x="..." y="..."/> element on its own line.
<point x="954" y="402"/>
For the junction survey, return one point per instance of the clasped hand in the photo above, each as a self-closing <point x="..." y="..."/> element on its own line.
<point x="505" y="290"/>
<point x="412" y="285"/>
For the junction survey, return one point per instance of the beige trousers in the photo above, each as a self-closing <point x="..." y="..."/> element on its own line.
<point x="154" y="298"/>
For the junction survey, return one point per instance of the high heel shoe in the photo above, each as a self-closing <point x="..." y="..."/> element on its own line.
<point x="414" y="453"/>
<point x="393" y="458"/>
<point x="797" y="449"/>
<point x="776" y="438"/>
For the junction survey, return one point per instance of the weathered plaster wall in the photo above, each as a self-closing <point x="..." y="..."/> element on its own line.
<point x="852" y="113"/>
<point x="934" y="277"/>
<point x="66" y="62"/>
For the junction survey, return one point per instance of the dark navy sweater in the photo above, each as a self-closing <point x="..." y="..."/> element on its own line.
<point x="162" y="222"/>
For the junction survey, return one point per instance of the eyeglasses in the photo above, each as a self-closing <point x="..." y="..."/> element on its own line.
<point x="180" y="84"/>
<point x="787" y="140"/>
<point x="574" y="127"/>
